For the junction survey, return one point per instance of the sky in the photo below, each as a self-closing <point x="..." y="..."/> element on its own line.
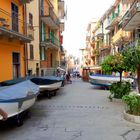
<point x="79" y="14"/>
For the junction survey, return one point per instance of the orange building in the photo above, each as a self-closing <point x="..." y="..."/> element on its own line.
<point x="14" y="34"/>
<point x="49" y="36"/>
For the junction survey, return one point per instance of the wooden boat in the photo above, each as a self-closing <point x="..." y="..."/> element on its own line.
<point x="17" y="98"/>
<point x="106" y="80"/>
<point x="48" y="83"/>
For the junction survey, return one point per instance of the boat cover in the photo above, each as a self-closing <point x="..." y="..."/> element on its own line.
<point x="54" y="78"/>
<point x="18" y="91"/>
<point x="46" y="80"/>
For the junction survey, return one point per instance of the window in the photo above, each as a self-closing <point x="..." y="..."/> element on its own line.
<point x="14" y="11"/>
<point x="31" y="52"/>
<point x="30" y="19"/>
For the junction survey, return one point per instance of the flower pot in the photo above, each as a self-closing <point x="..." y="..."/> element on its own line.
<point x="131" y="118"/>
<point x="117" y="100"/>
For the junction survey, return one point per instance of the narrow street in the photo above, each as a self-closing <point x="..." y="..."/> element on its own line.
<point x="77" y="112"/>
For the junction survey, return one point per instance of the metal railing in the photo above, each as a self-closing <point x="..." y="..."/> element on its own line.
<point x="51" y="38"/>
<point x="135" y="7"/>
<point x="54" y="39"/>
<point x="24" y="1"/>
<point x="49" y="12"/>
<point x="13" y="23"/>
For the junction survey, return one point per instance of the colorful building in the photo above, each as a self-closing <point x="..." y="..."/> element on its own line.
<point x="49" y="36"/>
<point x="61" y="15"/>
<point x="33" y="59"/>
<point x="119" y="27"/>
<point x="15" y="33"/>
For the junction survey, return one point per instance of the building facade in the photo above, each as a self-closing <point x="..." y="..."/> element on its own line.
<point x="14" y="35"/>
<point x="33" y="55"/>
<point x="118" y="28"/>
<point x="49" y="36"/>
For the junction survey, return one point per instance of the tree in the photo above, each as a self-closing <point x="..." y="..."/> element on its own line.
<point x="132" y="61"/>
<point x="114" y="63"/>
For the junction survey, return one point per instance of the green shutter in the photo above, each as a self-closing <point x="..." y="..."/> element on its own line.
<point x="118" y="9"/>
<point x="44" y="32"/>
<point x="45" y="53"/>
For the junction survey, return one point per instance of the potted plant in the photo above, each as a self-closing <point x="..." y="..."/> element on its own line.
<point x="115" y="63"/>
<point x="132" y="111"/>
<point x="119" y="89"/>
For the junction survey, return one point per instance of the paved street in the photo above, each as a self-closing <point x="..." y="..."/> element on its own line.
<point x="78" y="112"/>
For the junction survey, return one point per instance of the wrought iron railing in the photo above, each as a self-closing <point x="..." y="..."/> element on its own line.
<point x="24" y="1"/>
<point x="51" y="38"/>
<point x="135" y="7"/>
<point x="54" y="39"/>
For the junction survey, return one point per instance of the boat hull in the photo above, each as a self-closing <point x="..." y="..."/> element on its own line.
<point x="18" y="98"/>
<point x="102" y="80"/>
<point x="48" y="83"/>
<point x="50" y="87"/>
<point x="13" y="108"/>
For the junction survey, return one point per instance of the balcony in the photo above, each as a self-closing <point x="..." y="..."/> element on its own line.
<point x="24" y="1"/>
<point x="121" y="37"/>
<point x="94" y="53"/>
<point x="62" y="25"/>
<point x="112" y="22"/>
<point x="48" y="16"/>
<point x="104" y="46"/>
<point x="13" y="27"/>
<point x="131" y="19"/>
<point x="61" y="9"/>
<point x="51" y="41"/>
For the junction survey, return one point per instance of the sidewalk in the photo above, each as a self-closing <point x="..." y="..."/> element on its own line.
<point x="78" y="112"/>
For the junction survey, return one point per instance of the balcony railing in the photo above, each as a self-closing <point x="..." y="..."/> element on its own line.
<point x="49" y="17"/>
<point x="131" y="19"/>
<point x="24" y="1"/>
<point x="121" y="37"/>
<point x="50" y="40"/>
<point x="54" y="40"/>
<point x="12" y="26"/>
<point x="112" y="22"/>
<point x="95" y="52"/>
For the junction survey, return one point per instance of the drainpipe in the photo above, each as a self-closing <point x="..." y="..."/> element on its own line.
<point x="39" y="32"/>
<point x="25" y="44"/>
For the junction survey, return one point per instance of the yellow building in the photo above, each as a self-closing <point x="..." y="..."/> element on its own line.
<point x="32" y="14"/>
<point x="13" y="38"/>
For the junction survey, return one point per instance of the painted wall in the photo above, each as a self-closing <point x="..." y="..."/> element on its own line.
<point x="8" y="46"/>
<point x="33" y="8"/>
<point x="6" y="5"/>
<point x="6" y="50"/>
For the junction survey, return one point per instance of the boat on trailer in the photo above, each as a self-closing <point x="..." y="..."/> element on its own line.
<point x="106" y="80"/>
<point x="48" y="83"/>
<point x="17" y="98"/>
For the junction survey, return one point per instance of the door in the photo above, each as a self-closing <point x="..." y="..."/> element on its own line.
<point x="16" y="65"/>
<point x="51" y="60"/>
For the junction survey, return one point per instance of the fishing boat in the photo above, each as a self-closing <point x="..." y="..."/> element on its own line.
<point x="17" y="98"/>
<point x="48" y="83"/>
<point x="106" y="80"/>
